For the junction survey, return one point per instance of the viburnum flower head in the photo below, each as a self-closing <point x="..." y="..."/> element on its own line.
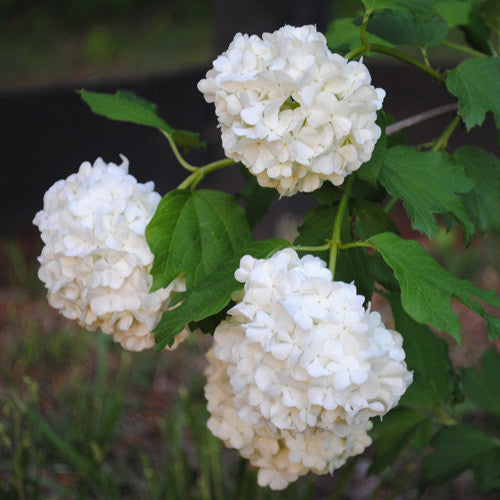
<point x="95" y="263"/>
<point x="280" y="455"/>
<point x="291" y="111"/>
<point x="303" y="354"/>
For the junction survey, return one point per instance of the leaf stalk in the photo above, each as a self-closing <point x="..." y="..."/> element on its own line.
<point x="196" y="177"/>
<point x="442" y="142"/>
<point x="463" y="48"/>
<point x="337" y="225"/>
<point x="383" y="49"/>
<point x="177" y="154"/>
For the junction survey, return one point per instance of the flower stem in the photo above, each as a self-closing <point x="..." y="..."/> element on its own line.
<point x="464" y="49"/>
<point x="337" y="225"/>
<point x="196" y="177"/>
<point x="442" y="142"/>
<point x="390" y="204"/>
<point x="384" y="49"/>
<point x="320" y="248"/>
<point x="363" y="26"/>
<point x="357" y="52"/>
<point x="425" y="57"/>
<point x="175" y="150"/>
<point x="353" y="244"/>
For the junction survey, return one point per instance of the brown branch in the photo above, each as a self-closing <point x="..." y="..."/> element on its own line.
<point x="421" y="117"/>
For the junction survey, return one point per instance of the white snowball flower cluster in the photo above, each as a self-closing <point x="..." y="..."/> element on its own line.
<point x="96" y="261"/>
<point x="305" y="364"/>
<point x="291" y="111"/>
<point x="281" y="456"/>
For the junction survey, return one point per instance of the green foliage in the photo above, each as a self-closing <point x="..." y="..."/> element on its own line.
<point x="316" y="228"/>
<point x="212" y="293"/>
<point x="202" y="235"/>
<point x="422" y="10"/>
<point x="427" y="182"/>
<point x="477" y="32"/>
<point x="353" y="263"/>
<point x="193" y="232"/>
<point x="490" y="10"/>
<point x="395" y="431"/>
<point x="257" y="199"/>
<point x="455" y="12"/>
<point x="476" y="84"/>
<point x="482" y="202"/>
<point x="462" y="447"/>
<point x="327" y="194"/>
<point x="427" y="355"/>
<point x="369" y="171"/>
<point x="345" y="34"/>
<point x="127" y="107"/>
<point x="401" y="28"/>
<point x="426" y="288"/>
<point x="481" y="387"/>
<point x="371" y="219"/>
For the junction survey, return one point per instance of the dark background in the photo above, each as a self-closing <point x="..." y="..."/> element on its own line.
<point x="49" y="131"/>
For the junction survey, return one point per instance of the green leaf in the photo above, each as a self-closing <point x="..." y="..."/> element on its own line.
<point x="187" y="140"/>
<point x="476" y="84"/>
<point x="476" y="31"/>
<point x="482" y="386"/>
<point x="343" y="36"/>
<point x="316" y="229"/>
<point x="455" y="12"/>
<point x="482" y="202"/>
<point x="369" y="171"/>
<point x="210" y="323"/>
<point x="487" y="473"/>
<point x="371" y="219"/>
<point x="125" y="106"/>
<point x="426" y="355"/>
<point x="422" y="10"/>
<point x="327" y="194"/>
<point x="352" y="264"/>
<point x="257" y="199"/>
<point x="428" y="183"/>
<point x="397" y="138"/>
<point x="490" y="10"/>
<point x="393" y="435"/>
<point x="193" y="232"/>
<point x="426" y="288"/>
<point x="382" y="273"/>
<point x="400" y="28"/>
<point x="462" y="447"/>
<point x="211" y="294"/>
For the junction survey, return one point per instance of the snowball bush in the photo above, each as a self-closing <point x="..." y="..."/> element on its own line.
<point x="96" y="261"/>
<point x="291" y="111"/>
<point x="280" y="455"/>
<point x="304" y="359"/>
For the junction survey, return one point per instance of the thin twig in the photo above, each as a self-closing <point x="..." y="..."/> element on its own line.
<point x="421" y="117"/>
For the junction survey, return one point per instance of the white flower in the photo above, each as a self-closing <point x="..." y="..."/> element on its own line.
<point x="280" y="456"/>
<point x="96" y="261"/>
<point x="291" y="111"/>
<point x="303" y="353"/>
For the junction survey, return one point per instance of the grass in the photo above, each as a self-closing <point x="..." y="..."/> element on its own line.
<point x="81" y="418"/>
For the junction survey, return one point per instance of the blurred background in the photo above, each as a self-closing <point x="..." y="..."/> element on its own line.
<point x="80" y="417"/>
